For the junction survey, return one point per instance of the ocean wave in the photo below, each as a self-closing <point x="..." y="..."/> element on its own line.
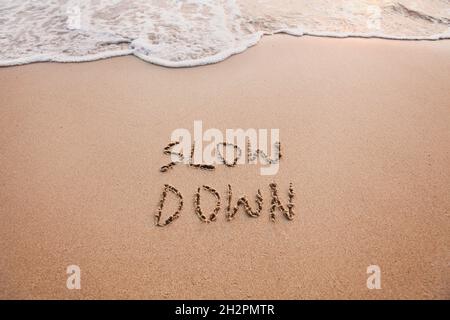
<point x="191" y="33"/>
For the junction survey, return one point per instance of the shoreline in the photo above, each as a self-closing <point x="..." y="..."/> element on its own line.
<point x="217" y="58"/>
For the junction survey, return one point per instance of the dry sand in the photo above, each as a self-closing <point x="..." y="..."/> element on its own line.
<point x="365" y="126"/>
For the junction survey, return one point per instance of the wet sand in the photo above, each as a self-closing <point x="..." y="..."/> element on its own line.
<point x="365" y="129"/>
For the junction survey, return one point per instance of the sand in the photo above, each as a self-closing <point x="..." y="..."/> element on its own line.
<point x="365" y="128"/>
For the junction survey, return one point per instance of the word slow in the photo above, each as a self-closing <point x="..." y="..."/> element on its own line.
<point x="275" y="204"/>
<point x="228" y="154"/>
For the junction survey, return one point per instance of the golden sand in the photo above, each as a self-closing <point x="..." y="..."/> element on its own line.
<point x="365" y="126"/>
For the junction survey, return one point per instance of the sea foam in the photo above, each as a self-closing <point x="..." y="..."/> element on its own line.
<point x="190" y="33"/>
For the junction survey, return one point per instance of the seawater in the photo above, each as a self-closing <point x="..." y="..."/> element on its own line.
<point x="190" y="33"/>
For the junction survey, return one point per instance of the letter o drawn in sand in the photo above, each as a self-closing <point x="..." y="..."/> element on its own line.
<point x="198" y="210"/>
<point x="222" y="158"/>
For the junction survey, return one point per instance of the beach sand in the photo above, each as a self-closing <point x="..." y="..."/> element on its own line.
<point x="365" y="129"/>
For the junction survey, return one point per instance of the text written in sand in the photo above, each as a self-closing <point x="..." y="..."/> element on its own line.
<point x="231" y="210"/>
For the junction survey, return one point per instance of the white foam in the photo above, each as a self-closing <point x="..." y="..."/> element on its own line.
<point x="144" y="54"/>
<point x="191" y="33"/>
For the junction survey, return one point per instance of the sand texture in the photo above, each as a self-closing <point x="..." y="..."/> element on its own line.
<point x="365" y="129"/>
